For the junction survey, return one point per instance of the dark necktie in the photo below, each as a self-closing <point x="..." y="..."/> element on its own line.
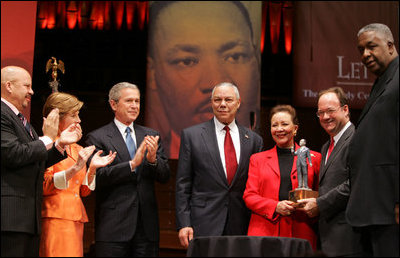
<point x="130" y="143"/>
<point x="230" y="156"/>
<point x="330" y="147"/>
<point x="26" y="124"/>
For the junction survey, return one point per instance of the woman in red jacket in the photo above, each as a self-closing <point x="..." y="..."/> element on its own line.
<point x="272" y="174"/>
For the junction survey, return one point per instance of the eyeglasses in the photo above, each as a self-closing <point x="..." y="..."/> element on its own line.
<point x="320" y="113"/>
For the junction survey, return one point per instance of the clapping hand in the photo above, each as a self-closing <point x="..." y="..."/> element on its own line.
<point x="72" y="134"/>
<point x="83" y="156"/>
<point x="102" y="161"/>
<point x="152" y="147"/>
<point x="50" y="124"/>
<point x="139" y="155"/>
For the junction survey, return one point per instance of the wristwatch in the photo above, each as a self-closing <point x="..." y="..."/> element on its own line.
<point x="152" y="164"/>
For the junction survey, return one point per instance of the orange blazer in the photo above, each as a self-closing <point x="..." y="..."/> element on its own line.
<point x="262" y="195"/>
<point x="66" y="203"/>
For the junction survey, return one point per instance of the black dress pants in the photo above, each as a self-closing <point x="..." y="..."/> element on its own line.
<point x="19" y="244"/>
<point x="380" y="240"/>
<point x="138" y="246"/>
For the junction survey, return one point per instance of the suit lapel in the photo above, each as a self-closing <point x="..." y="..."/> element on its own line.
<point x="139" y="133"/>
<point x="377" y="90"/>
<point x="72" y="152"/>
<point x="336" y="150"/>
<point x="210" y="141"/>
<point x="324" y="166"/>
<point x="117" y="141"/>
<point x="245" y="152"/>
<point x="272" y="160"/>
<point x="35" y="135"/>
<point x="379" y="87"/>
<point x="20" y="124"/>
<point x="294" y="167"/>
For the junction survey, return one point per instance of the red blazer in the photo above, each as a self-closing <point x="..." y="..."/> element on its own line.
<point x="262" y="195"/>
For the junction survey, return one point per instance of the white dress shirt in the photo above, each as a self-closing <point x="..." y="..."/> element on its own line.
<point x="336" y="138"/>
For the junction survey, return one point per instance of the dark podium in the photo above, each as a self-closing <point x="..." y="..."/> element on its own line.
<point x="249" y="246"/>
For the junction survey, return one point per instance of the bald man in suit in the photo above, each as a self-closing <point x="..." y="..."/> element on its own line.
<point x="24" y="158"/>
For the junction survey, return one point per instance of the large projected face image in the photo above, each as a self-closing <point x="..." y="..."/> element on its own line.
<point x="192" y="47"/>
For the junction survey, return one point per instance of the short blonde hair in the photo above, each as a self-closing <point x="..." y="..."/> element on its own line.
<point x="64" y="102"/>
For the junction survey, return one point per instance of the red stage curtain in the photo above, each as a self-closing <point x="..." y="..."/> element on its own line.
<point x="18" y="21"/>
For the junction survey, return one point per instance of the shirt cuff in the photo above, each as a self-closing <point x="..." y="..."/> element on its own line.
<point x="92" y="186"/>
<point x="46" y="141"/>
<point x="59" y="148"/>
<point x="60" y="180"/>
<point x="132" y="170"/>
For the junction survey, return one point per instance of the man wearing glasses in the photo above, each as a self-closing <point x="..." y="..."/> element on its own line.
<point x="337" y="237"/>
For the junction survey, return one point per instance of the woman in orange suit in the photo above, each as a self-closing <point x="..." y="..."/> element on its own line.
<point x="63" y="213"/>
<point x="272" y="174"/>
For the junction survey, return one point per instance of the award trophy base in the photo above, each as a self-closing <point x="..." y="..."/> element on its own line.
<point x="301" y="193"/>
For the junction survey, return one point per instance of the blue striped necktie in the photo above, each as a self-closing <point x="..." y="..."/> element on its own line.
<point x="26" y="124"/>
<point x="130" y="143"/>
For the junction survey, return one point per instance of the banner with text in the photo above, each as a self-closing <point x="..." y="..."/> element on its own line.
<point x="325" y="47"/>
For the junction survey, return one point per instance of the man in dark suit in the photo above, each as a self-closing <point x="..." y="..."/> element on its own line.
<point x="337" y="237"/>
<point x="24" y="157"/>
<point x="126" y="217"/>
<point x="208" y="194"/>
<point x="373" y="206"/>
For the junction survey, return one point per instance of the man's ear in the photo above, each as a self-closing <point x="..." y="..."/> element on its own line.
<point x="113" y="105"/>
<point x="391" y="47"/>
<point x="8" y="86"/>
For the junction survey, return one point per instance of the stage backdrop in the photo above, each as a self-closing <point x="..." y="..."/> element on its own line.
<point x="325" y="47"/>
<point x="18" y="21"/>
<point x="192" y="47"/>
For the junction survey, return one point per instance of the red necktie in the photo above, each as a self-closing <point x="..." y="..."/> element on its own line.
<point x="330" y="147"/>
<point x="230" y="156"/>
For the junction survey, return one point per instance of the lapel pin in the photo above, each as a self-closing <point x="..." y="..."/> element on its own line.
<point x="246" y="136"/>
